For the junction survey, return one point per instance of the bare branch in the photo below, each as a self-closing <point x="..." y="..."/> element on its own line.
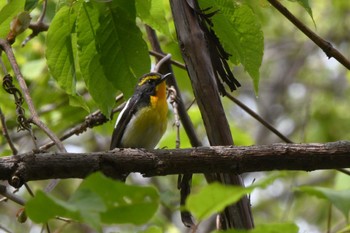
<point x="4" y="192"/>
<point x="91" y="121"/>
<point x="161" y="62"/>
<point x="5" y="133"/>
<point x="161" y="55"/>
<point x="326" y="46"/>
<point x="35" y="118"/>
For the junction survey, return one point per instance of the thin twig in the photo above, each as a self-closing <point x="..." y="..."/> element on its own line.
<point x="92" y="120"/>
<point x="34" y="116"/>
<point x="258" y="118"/>
<point x="5" y="229"/>
<point x="5" y="133"/>
<point x="4" y="192"/>
<point x="173" y="102"/>
<point x="39" y="26"/>
<point x="28" y="189"/>
<point x="161" y="62"/>
<point x="326" y="46"/>
<point x="160" y="56"/>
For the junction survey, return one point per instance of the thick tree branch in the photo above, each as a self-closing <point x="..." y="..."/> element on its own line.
<point x="200" y="57"/>
<point x="216" y="159"/>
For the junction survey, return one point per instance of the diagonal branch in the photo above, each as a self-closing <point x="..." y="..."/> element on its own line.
<point x="327" y="47"/>
<point x="216" y="159"/>
<point x="5" y="46"/>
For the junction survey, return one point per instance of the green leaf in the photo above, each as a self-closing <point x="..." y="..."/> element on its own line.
<point x="98" y="200"/>
<point x="30" y="4"/>
<point x="38" y="211"/>
<point x="339" y="198"/>
<point x="100" y="89"/>
<point x="59" y="52"/>
<point x="306" y="5"/>
<point x="125" y="203"/>
<point x="239" y="31"/>
<point x="152" y="12"/>
<point x="268" y="228"/>
<point x="90" y="205"/>
<point x="7" y="13"/>
<point x="118" y="33"/>
<point x="78" y="101"/>
<point x="215" y="197"/>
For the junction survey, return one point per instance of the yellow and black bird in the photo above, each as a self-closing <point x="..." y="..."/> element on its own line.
<point x="143" y="121"/>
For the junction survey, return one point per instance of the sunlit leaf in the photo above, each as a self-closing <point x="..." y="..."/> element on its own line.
<point x="125" y="203"/>
<point x="98" y="200"/>
<point x="59" y="53"/>
<point x="43" y="207"/>
<point x="124" y="54"/>
<point x="7" y="13"/>
<point x="152" y="12"/>
<point x="239" y="31"/>
<point x="215" y="197"/>
<point x="100" y="88"/>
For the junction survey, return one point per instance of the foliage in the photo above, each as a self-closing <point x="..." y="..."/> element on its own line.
<point x="96" y="49"/>
<point x="98" y="200"/>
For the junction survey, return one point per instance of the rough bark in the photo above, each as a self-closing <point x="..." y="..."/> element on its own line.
<point x="196" y="54"/>
<point x="216" y="159"/>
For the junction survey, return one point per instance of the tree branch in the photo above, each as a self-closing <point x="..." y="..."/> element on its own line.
<point x="200" y="59"/>
<point x="327" y="47"/>
<point x="5" y="46"/>
<point x="216" y="159"/>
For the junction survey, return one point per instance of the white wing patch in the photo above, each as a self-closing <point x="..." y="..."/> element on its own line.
<point x="121" y="113"/>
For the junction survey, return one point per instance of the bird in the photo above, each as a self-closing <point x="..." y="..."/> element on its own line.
<point x="143" y="120"/>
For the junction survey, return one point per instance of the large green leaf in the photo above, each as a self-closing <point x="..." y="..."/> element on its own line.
<point x="124" y="54"/>
<point x="152" y="12"/>
<point x="268" y="228"/>
<point x="112" y="53"/>
<point x="98" y="200"/>
<point x="125" y="203"/>
<point x="38" y="211"/>
<point x="60" y="52"/>
<point x="7" y="13"/>
<point x="239" y="31"/>
<point x="215" y="197"/>
<point x="339" y="198"/>
<point x="100" y="88"/>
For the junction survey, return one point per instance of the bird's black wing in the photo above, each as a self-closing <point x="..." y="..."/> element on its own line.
<point x="124" y="119"/>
